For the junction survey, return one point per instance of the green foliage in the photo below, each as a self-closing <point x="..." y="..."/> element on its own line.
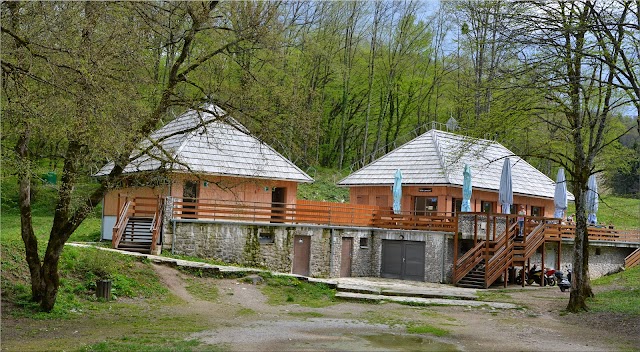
<point x="79" y="269"/>
<point x="325" y="186"/>
<point x="286" y="289"/>
<point x="624" y="297"/>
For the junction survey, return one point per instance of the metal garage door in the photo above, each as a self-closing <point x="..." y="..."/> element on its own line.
<point x="402" y="260"/>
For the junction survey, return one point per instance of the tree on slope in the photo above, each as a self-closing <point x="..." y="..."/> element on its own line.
<point x="85" y="82"/>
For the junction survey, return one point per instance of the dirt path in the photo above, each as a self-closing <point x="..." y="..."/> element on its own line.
<point x="354" y="326"/>
<point x="239" y="318"/>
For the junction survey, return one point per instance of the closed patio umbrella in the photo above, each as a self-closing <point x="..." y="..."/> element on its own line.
<point x="591" y="199"/>
<point x="397" y="192"/>
<point x="505" y="192"/>
<point x="560" y="195"/>
<point x="466" y="189"/>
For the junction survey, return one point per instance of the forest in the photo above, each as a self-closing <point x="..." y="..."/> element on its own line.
<point x="328" y="84"/>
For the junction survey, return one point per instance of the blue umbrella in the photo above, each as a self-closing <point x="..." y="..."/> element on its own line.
<point x="560" y="195"/>
<point x="505" y="193"/>
<point x="591" y="198"/>
<point x="466" y="189"/>
<point x="397" y="192"/>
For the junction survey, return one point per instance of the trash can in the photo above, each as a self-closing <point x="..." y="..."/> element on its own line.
<point x="103" y="289"/>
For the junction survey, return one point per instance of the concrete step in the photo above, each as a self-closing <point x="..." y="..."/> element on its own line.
<point x="406" y="292"/>
<point x="423" y="301"/>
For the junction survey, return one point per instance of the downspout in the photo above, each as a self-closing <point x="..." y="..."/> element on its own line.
<point x="331" y="252"/>
<point x="444" y="252"/>
<point x="173" y="242"/>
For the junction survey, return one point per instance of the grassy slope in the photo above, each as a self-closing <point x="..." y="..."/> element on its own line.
<point x="624" y="213"/>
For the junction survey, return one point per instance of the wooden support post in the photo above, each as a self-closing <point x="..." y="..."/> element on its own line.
<point x="542" y="280"/>
<point x="559" y="256"/>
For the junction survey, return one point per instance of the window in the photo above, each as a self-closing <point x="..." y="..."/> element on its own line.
<point x="362" y="199"/>
<point x="456" y="205"/>
<point x="364" y="242"/>
<point x="487" y="207"/>
<point x="426" y="205"/>
<point x="266" y="238"/>
<point x="537" y="211"/>
<point x="514" y="208"/>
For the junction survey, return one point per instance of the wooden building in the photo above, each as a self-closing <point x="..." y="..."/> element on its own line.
<point x="432" y="167"/>
<point x="204" y="155"/>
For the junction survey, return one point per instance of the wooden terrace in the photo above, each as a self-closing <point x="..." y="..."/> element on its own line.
<point x="496" y="246"/>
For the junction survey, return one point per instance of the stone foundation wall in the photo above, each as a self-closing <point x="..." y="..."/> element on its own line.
<point x="603" y="260"/>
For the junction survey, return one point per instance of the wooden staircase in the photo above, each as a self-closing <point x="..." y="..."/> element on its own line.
<point x="138" y="226"/>
<point x="491" y="258"/>
<point x="474" y="278"/>
<point x="137" y="235"/>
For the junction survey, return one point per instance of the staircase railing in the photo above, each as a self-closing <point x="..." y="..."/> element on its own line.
<point x="121" y="224"/>
<point x="500" y="256"/>
<point x="155" y="226"/>
<point x="632" y="259"/>
<point x="468" y="261"/>
<point x="532" y="241"/>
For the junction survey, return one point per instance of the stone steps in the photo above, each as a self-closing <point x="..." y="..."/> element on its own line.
<point x="424" y="301"/>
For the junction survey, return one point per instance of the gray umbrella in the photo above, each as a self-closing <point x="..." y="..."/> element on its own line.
<point x="591" y="199"/>
<point x="505" y="193"/>
<point x="560" y="195"/>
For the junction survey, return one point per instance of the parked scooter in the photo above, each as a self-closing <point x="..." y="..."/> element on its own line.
<point x="564" y="282"/>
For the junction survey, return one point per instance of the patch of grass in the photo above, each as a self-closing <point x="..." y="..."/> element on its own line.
<point x="246" y="311"/>
<point x="306" y="314"/>
<point x="493" y="296"/>
<point x="125" y="345"/>
<point x="624" y="298"/>
<point x="427" y="329"/>
<point x="622" y="212"/>
<point x="204" y="289"/>
<point x="287" y="290"/>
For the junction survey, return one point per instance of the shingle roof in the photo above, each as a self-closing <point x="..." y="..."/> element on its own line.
<point x="212" y="143"/>
<point x="438" y="158"/>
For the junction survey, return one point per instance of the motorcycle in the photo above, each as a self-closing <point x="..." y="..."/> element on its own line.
<point x="534" y="275"/>
<point x="550" y="277"/>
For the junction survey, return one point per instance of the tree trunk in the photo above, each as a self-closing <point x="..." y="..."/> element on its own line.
<point x="26" y="225"/>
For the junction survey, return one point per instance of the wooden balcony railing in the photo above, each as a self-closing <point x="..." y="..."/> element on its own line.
<point x="632" y="259"/>
<point x="137" y="207"/>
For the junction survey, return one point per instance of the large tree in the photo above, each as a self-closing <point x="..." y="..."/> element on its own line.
<point x="561" y="58"/>
<point x="85" y="82"/>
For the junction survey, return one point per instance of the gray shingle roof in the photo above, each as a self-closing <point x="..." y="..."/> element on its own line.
<point x="211" y="143"/>
<point x="438" y="158"/>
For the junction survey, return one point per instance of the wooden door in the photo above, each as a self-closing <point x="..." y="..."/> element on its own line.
<point x="345" y="260"/>
<point x="189" y="195"/>
<point x="301" y="255"/>
<point x="278" y="199"/>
